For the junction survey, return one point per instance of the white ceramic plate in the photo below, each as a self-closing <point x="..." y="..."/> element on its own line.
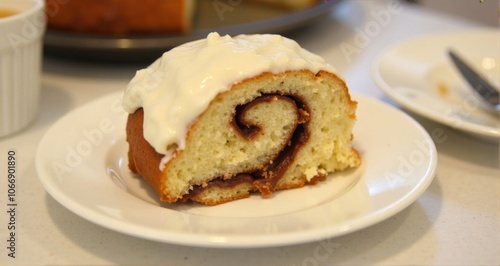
<point x="82" y="163"/>
<point x="419" y="75"/>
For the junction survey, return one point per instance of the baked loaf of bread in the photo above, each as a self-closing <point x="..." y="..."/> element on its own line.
<point x="117" y="17"/>
<point x="120" y="17"/>
<point x="216" y="119"/>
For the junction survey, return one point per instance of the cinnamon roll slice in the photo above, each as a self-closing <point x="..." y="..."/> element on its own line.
<point x="218" y="138"/>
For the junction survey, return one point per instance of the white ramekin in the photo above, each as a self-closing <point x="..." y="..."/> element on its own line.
<point x="20" y="63"/>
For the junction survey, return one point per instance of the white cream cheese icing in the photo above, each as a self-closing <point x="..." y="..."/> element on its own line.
<point x="178" y="87"/>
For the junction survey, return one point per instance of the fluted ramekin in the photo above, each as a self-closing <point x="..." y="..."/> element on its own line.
<point x="20" y="63"/>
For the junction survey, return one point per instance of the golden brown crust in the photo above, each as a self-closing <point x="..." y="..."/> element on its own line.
<point x="117" y="17"/>
<point x="143" y="159"/>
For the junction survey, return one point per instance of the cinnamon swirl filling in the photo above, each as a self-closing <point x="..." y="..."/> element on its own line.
<point x="264" y="178"/>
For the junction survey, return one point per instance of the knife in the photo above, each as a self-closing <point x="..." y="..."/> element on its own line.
<point x="481" y="87"/>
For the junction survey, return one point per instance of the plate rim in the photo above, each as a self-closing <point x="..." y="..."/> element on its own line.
<point x="284" y="239"/>
<point x="466" y="126"/>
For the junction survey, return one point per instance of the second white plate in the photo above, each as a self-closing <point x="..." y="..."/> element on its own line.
<point x="82" y="163"/>
<point x="419" y="75"/>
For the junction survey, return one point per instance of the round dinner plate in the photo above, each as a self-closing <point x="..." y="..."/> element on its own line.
<point x="82" y="163"/>
<point x="419" y="75"/>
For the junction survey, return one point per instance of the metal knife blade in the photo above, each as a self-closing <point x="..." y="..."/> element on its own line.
<point x="482" y="87"/>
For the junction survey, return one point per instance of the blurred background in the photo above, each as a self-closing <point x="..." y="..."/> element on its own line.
<point x="487" y="11"/>
<point x="98" y="33"/>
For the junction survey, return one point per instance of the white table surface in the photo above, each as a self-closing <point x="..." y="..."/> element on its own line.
<point x="455" y="222"/>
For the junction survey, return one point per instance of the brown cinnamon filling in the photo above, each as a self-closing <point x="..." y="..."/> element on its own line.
<point x="265" y="179"/>
<point x="268" y="178"/>
<point x="220" y="183"/>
